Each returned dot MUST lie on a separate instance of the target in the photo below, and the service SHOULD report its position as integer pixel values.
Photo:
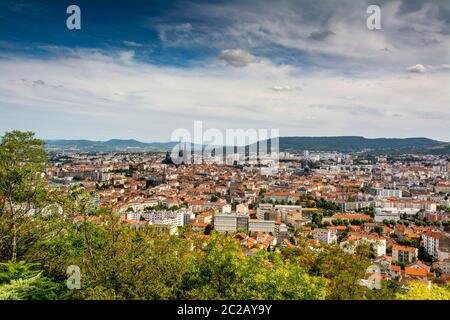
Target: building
(369, 226)
(292, 216)
(446, 266)
(230, 222)
(170, 218)
(431, 242)
(325, 235)
(226, 208)
(256, 225)
(381, 215)
(442, 187)
(350, 216)
(266, 212)
(353, 205)
(233, 222)
(409, 205)
(444, 248)
(199, 227)
(281, 231)
(353, 239)
(388, 193)
(404, 254)
(242, 208)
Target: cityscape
(214, 151)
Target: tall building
(404, 254)
(232, 222)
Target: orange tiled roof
(351, 216)
(403, 248)
(410, 271)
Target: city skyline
(307, 68)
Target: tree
(388, 291)
(378, 229)
(424, 256)
(344, 272)
(23, 191)
(24, 281)
(317, 218)
(422, 291)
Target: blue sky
(141, 69)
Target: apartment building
(388, 193)
(230, 222)
(352, 206)
(404, 254)
(256, 225)
(446, 266)
(172, 218)
(431, 242)
(325, 235)
(353, 239)
(233, 222)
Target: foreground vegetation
(119, 262)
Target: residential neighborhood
(397, 205)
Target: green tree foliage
(317, 217)
(343, 270)
(24, 281)
(23, 194)
(325, 204)
(424, 256)
(378, 229)
(422, 291)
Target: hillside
(298, 144)
(356, 143)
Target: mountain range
(292, 144)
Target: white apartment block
(402, 204)
(230, 222)
(170, 218)
(325, 235)
(225, 222)
(431, 243)
(389, 193)
(256, 225)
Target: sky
(142, 69)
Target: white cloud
(442, 67)
(267, 29)
(98, 95)
(284, 88)
(126, 56)
(418, 68)
(133, 44)
(237, 57)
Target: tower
(228, 192)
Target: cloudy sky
(140, 69)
